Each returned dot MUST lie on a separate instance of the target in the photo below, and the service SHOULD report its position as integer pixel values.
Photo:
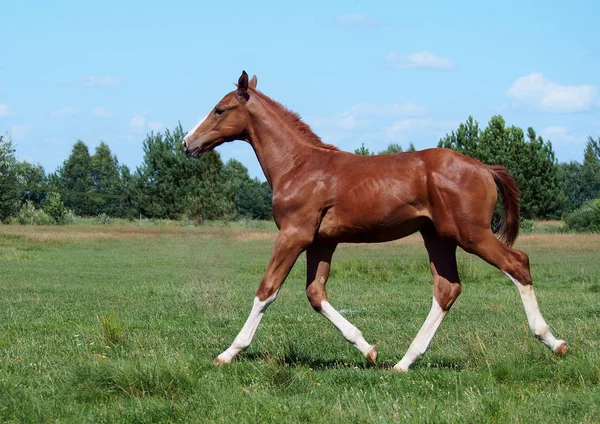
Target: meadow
(121, 323)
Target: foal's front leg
(288, 247)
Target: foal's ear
(242, 90)
(253, 82)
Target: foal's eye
(219, 111)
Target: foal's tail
(511, 196)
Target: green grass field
(121, 323)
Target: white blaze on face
(194, 129)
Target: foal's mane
(295, 121)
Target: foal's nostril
(184, 144)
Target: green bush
(29, 215)
(53, 213)
(526, 226)
(55, 208)
(586, 218)
(70, 218)
(103, 219)
(595, 219)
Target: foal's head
(227, 121)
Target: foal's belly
(354, 227)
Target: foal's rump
(463, 197)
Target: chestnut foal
(323, 196)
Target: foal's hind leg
(446, 289)
(318, 260)
(515, 264)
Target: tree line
(167, 185)
(170, 185)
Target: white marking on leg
(537, 325)
(246, 334)
(194, 129)
(419, 345)
(350, 332)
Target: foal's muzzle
(195, 152)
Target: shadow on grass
(453, 364)
(294, 359)
(297, 359)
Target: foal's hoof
(400, 369)
(562, 348)
(219, 362)
(372, 355)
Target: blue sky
(357, 72)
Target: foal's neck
(280, 145)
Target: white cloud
(540, 93)
(4, 111)
(138, 121)
(354, 20)
(156, 126)
(104, 81)
(557, 132)
(100, 112)
(63, 112)
(421, 60)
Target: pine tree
(391, 148)
(9, 197)
(591, 168)
(29, 175)
(107, 180)
(536, 169)
(465, 140)
(494, 142)
(210, 195)
(573, 186)
(362, 151)
(76, 175)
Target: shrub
(526, 226)
(595, 219)
(29, 215)
(103, 219)
(70, 218)
(55, 208)
(586, 218)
